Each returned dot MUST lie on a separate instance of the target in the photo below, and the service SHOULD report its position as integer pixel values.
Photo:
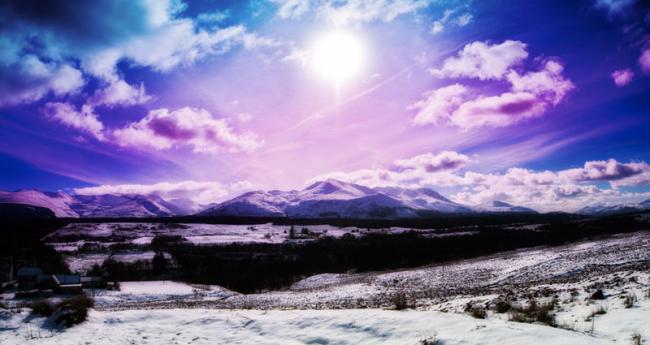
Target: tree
(159, 263)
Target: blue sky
(539, 103)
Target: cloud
(615, 6)
(119, 92)
(531, 93)
(622, 77)
(144, 33)
(498, 111)
(644, 61)
(443, 161)
(201, 193)
(84, 120)
(439, 104)
(364, 11)
(548, 83)
(28, 78)
(561, 190)
(448, 18)
(609, 170)
(291, 8)
(162, 129)
(483, 61)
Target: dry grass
(599, 310)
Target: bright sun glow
(337, 56)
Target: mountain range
(107, 205)
(603, 210)
(324, 199)
(336, 199)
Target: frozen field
(72, 236)
(86, 244)
(355, 308)
(514, 271)
(353, 327)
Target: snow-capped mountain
(424, 199)
(602, 209)
(58, 202)
(502, 207)
(336, 199)
(70, 205)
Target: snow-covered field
(361, 326)
(72, 236)
(86, 244)
(355, 308)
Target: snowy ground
(361, 326)
(508, 272)
(86, 244)
(355, 307)
(72, 236)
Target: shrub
(598, 295)
(478, 312)
(42, 307)
(637, 339)
(400, 301)
(629, 300)
(72, 311)
(432, 340)
(502, 307)
(534, 312)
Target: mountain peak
(498, 203)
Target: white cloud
(531, 92)
(162, 129)
(562, 190)
(291, 8)
(483, 61)
(119, 92)
(428, 162)
(547, 83)
(201, 193)
(449, 18)
(143, 33)
(364, 11)
(29, 79)
(439, 104)
(84, 120)
(497, 111)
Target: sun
(337, 56)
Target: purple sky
(538, 103)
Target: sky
(538, 103)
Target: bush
(637, 339)
(478, 312)
(73, 311)
(42, 307)
(502, 307)
(629, 300)
(598, 295)
(432, 340)
(534, 312)
(400, 301)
